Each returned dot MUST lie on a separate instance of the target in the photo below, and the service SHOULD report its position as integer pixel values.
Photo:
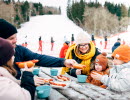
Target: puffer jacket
(63, 50)
(96, 82)
(119, 78)
(117, 44)
(10, 88)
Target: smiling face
(117, 61)
(98, 67)
(12, 39)
(84, 48)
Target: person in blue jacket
(116, 44)
(8, 32)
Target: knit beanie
(102, 60)
(83, 37)
(6, 29)
(122, 53)
(67, 42)
(6, 51)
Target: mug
(36, 71)
(82, 78)
(43, 91)
(54, 72)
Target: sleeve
(27, 83)
(10, 90)
(119, 81)
(89, 78)
(72, 72)
(44, 60)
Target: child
(119, 78)
(10, 87)
(101, 64)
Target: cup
(54, 72)
(36, 71)
(43, 91)
(82, 78)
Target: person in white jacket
(10, 87)
(119, 78)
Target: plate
(60, 83)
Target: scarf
(86, 58)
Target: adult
(64, 49)
(8, 32)
(40, 44)
(72, 39)
(93, 39)
(10, 87)
(52, 43)
(116, 44)
(105, 39)
(84, 52)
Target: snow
(57, 26)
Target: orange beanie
(102, 60)
(122, 53)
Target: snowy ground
(46, 26)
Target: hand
(38, 81)
(96, 76)
(78, 71)
(28, 69)
(69, 63)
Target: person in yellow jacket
(84, 52)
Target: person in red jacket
(64, 49)
(40, 44)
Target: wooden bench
(80, 91)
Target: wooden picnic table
(79, 91)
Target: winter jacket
(10, 88)
(63, 51)
(24, 54)
(119, 78)
(117, 44)
(96, 82)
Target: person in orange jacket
(64, 49)
(101, 67)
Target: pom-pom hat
(102, 60)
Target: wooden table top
(79, 91)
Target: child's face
(98, 67)
(117, 61)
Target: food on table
(63, 78)
(47, 80)
(79, 66)
(57, 84)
